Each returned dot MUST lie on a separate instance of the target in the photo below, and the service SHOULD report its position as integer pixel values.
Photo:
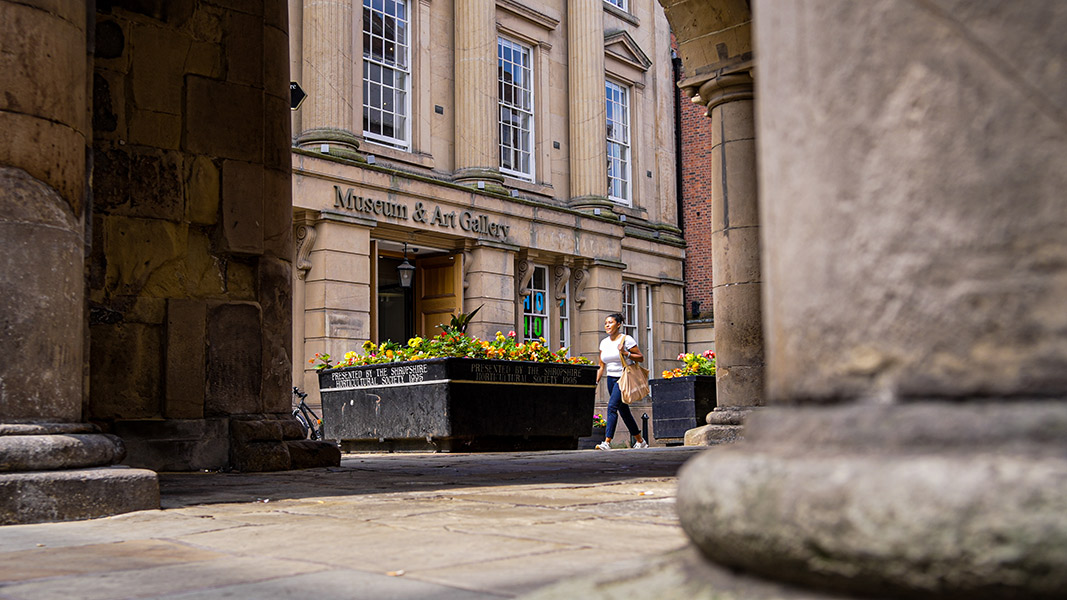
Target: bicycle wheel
(300, 418)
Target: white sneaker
(603, 446)
(638, 445)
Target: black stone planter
(680, 404)
(458, 405)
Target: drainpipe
(676, 71)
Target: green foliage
(460, 322)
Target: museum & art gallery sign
(421, 212)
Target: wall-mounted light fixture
(405, 270)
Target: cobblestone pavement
(396, 526)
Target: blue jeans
(616, 408)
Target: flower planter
(680, 404)
(458, 405)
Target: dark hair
(618, 318)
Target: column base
(927, 500)
(334, 142)
(63, 472)
(591, 204)
(725, 426)
(482, 178)
(75, 494)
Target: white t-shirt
(609, 354)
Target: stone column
(477, 132)
(54, 466)
(330, 66)
(735, 250)
(913, 159)
(588, 118)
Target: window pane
(514, 62)
(385, 71)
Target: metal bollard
(644, 427)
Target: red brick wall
(696, 203)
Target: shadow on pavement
(363, 474)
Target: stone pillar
(330, 67)
(735, 249)
(588, 118)
(490, 281)
(54, 466)
(477, 130)
(337, 292)
(913, 159)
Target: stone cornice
(549, 22)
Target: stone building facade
(901, 265)
(468, 139)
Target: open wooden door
(440, 292)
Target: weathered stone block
(213, 106)
(241, 278)
(186, 329)
(158, 63)
(243, 431)
(243, 41)
(38, 497)
(278, 213)
(145, 256)
(202, 191)
(205, 270)
(205, 58)
(242, 207)
(276, 302)
(176, 444)
(157, 185)
(311, 454)
(234, 360)
(125, 379)
(156, 129)
(254, 457)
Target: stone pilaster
(490, 273)
(477, 131)
(915, 275)
(588, 117)
(330, 67)
(53, 466)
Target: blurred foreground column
(912, 166)
(53, 465)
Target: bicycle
(307, 417)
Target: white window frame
(564, 318)
(399, 70)
(629, 309)
(520, 103)
(620, 4)
(619, 142)
(530, 308)
(648, 345)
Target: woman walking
(613, 349)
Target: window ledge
(622, 14)
(370, 148)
